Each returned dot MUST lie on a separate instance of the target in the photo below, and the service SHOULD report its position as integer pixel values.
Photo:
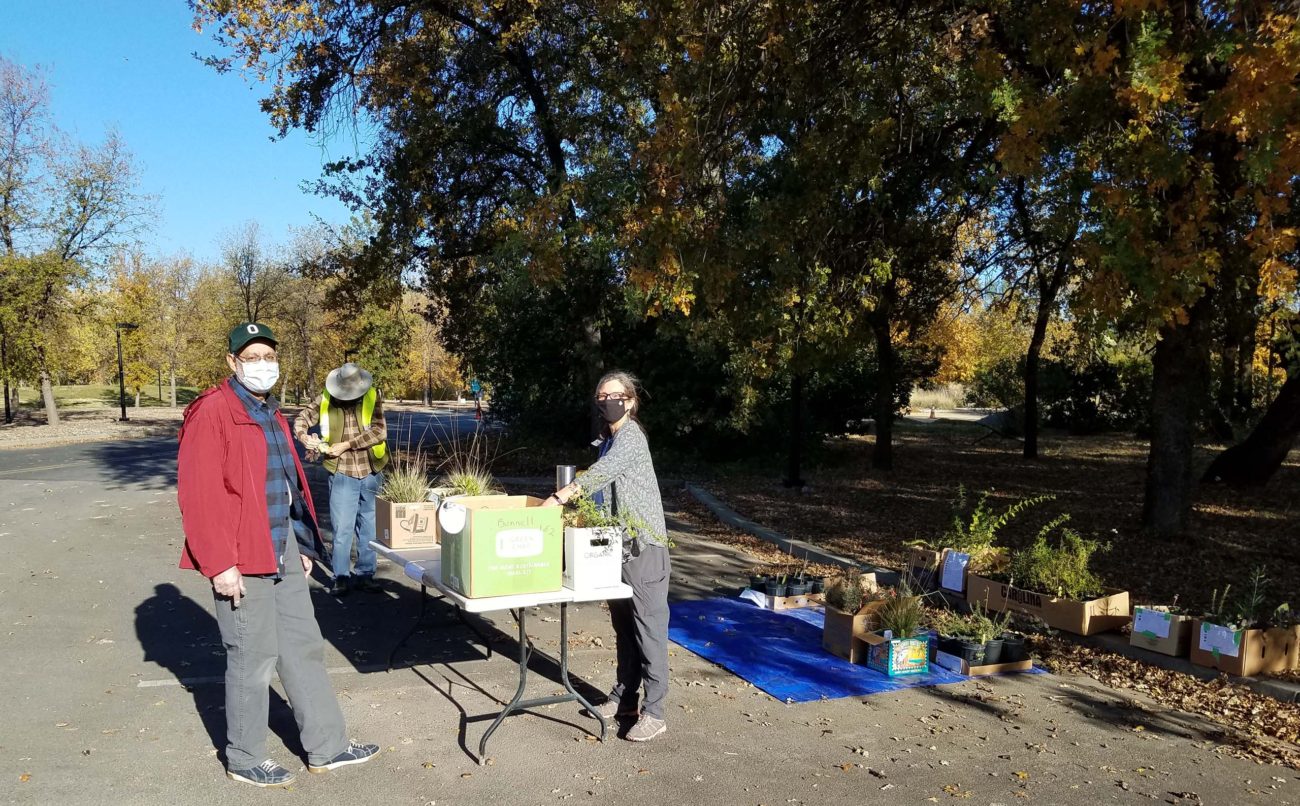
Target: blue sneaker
(267, 774)
(355, 754)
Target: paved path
(109, 655)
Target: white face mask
(260, 377)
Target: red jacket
(221, 487)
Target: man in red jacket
(250, 527)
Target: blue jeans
(352, 513)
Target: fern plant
(1060, 567)
(974, 531)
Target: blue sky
(199, 138)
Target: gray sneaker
(609, 709)
(267, 774)
(355, 754)
(646, 728)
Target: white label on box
(451, 517)
(1220, 640)
(519, 542)
(954, 571)
(1153, 623)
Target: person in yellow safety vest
(348, 418)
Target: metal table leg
(564, 669)
(517, 703)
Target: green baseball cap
(244, 332)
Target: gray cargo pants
(274, 628)
(641, 629)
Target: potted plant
(801, 585)
(1053, 580)
(403, 516)
(466, 470)
(900, 644)
(990, 630)
(1242, 635)
(851, 605)
(972, 533)
(593, 544)
(956, 636)
(757, 581)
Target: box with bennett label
(501, 545)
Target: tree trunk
(1253, 462)
(882, 458)
(136, 405)
(793, 477)
(1244, 404)
(4, 371)
(1032, 359)
(47, 389)
(172, 374)
(1178, 389)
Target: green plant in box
(846, 592)
(406, 479)
(901, 614)
(1060, 567)
(974, 531)
(467, 466)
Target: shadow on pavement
(150, 464)
(182, 637)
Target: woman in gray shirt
(623, 480)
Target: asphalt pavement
(112, 666)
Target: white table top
(424, 565)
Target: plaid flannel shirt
(282, 494)
(355, 461)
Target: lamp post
(121, 372)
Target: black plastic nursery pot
(818, 584)
(1013, 648)
(973, 652)
(758, 582)
(993, 652)
(799, 588)
(774, 588)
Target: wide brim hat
(348, 382)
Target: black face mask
(612, 410)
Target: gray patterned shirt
(626, 469)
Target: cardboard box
(898, 656)
(1110, 612)
(842, 633)
(1244, 653)
(500, 545)
(406, 525)
(961, 666)
(791, 602)
(593, 558)
(1161, 631)
(923, 569)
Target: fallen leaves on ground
(1254, 726)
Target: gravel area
(30, 430)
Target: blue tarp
(781, 653)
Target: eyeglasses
(257, 359)
(616, 396)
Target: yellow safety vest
(378, 453)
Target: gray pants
(274, 628)
(641, 629)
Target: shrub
(975, 531)
(1059, 567)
